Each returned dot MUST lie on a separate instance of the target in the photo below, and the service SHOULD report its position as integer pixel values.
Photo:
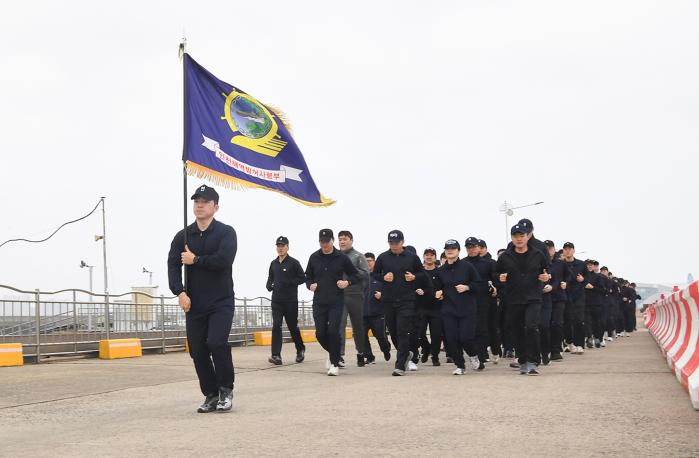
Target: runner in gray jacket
(354, 298)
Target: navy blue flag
(234, 140)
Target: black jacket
(399, 289)
(284, 279)
(595, 296)
(575, 289)
(523, 270)
(372, 305)
(557, 276)
(326, 270)
(487, 272)
(455, 303)
(537, 245)
(427, 283)
(210, 279)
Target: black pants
(545, 324)
(288, 311)
(482, 337)
(577, 310)
(459, 338)
(431, 317)
(399, 321)
(377, 325)
(327, 318)
(612, 311)
(621, 317)
(207, 335)
(629, 317)
(568, 322)
(557, 309)
(525, 320)
(596, 313)
(354, 308)
(508, 339)
(494, 335)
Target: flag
(234, 140)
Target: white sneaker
(412, 367)
(580, 351)
(572, 348)
(610, 339)
(496, 359)
(334, 370)
(327, 364)
(458, 371)
(603, 343)
(475, 362)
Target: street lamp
(150, 275)
(507, 208)
(83, 264)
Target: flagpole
(183, 56)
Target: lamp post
(150, 276)
(83, 264)
(507, 209)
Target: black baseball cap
(430, 250)
(395, 236)
(549, 243)
(569, 245)
(325, 235)
(410, 249)
(281, 240)
(471, 241)
(519, 229)
(482, 243)
(451, 243)
(206, 192)
(527, 223)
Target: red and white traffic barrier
(674, 323)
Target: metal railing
(47, 326)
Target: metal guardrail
(74, 327)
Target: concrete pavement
(620, 401)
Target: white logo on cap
(202, 188)
(393, 234)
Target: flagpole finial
(183, 46)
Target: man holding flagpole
(208, 300)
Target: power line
(54, 232)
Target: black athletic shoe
(360, 361)
(300, 356)
(481, 366)
(371, 359)
(225, 399)
(387, 355)
(341, 363)
(545, 360)
(424, 358)
(589, 343)
(276, 360)
(533, 371)
(556, 357)
(450, 360)
(514, 365)
(509, 354)
(209, 404)
(435, 362)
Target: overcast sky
(412, 115)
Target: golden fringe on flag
(230, 182)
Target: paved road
(619, 401)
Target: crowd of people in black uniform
(533, 303)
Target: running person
(328, 274)
(396, 269)
(209, 300)
(285, 276)
(456, 285)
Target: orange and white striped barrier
(120, 348)
(674, 323)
